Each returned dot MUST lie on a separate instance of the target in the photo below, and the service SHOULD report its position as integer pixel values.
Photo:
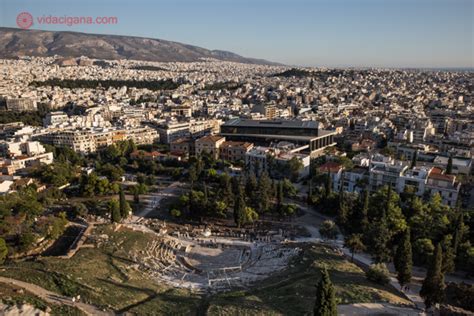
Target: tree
(378, 273)
(279, 195)
(328, 184)
(3, 250)
(114, 210)
(432, 290)
(325, 297)
(239, 207)
(379, 235)
(294, 168)
(264, 191)
(125, 208)
(226, 189)
(363, 220)
(342, 210)
(449, 255)
(403, 261)
(414, 159)
(354, 243)
(449, 166)
(328, 229)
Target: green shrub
(378, 273)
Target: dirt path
(54, 298)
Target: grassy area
(12, 295)
(103, 276)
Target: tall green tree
(379, 236)
(226, 189)
(403, 261)
(360, 215)
(342, 211)
(432, 290)
(3, 250)
(449, 166)
(449, 256)
(264, 191)
(328, 184)
(414, 159)
(114, 210)
(125, 208)
(279, 195)
(325, 304)
(251, 187)
(239, 207)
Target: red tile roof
(330, 166)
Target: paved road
(153, 201)
(55, 298)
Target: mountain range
(19, 42)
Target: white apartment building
(55, 118)
(172, 131)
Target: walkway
(153, 201)
(54, 298)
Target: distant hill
(18, 42)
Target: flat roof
(272, 136)
(273, 123)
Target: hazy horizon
(436, 34)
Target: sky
(324, 33)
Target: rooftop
(273, 123)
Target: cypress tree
(449, 255)
(449, 167)
(264, 188)
(226, 189)
(239, 207)
(379, 236)
(251, 187)
(403, 261)
(325, 296)
(114, 209)
(342, 210)
(414, 159)
(279, 195)
(124, 206)
(432, 290)
(328, 186)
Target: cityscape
(141, 176)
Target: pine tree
(325, 297)
(432, 290)
(403, 261)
